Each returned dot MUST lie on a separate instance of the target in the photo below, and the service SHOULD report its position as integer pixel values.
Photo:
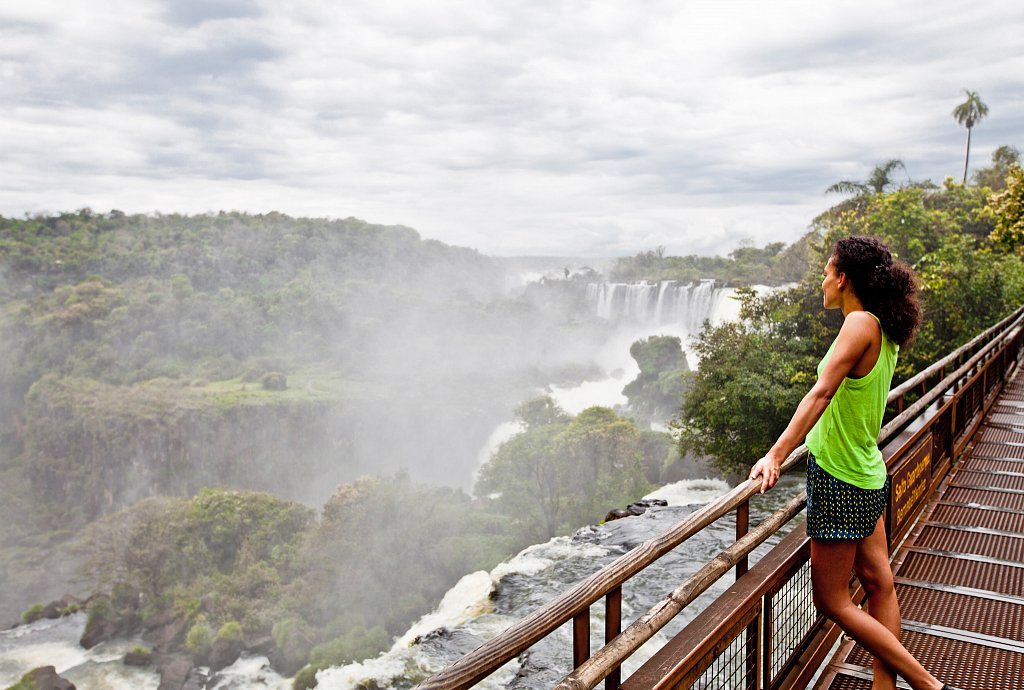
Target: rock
(166, 632)
(99, 631)
(616, 514)
(66, 604)
(207, 603)
(46, 678)
(261, 646)
(635, 508)
(197, 679)
(224, 653)
(138, 658)
(174, 671)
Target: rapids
(483, 604)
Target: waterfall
(667, 302)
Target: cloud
(553, 128)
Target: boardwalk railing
(764, 632)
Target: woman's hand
(768, 469)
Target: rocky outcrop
(174, 671)
(44, 678)
(637, 508)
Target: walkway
(960, 574)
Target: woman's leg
(871, 565)
(831, 565)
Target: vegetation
(773, 264)
(655, 393)
(33, 613)
(1004, 158)
(753, 373)
(968, 114)
(880, 180)
(1008, 207)
(562, 472)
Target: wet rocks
(637, 508)
(45, 678)
(173, 670)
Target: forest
(235, 432)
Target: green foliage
(27, 681)
(1004, 159)
(305, 679)
(229, 632)
(752, 374)
(965, 290)
(370, 533)
(234, 551)
(745, 265)
(656, 391)
(99, 612)
(357, 644)
(553, 478)
(199, 636)
(540, 411)
(1008, 207)
(33, 613)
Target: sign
(909, 484)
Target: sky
(525, 127)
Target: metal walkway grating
(960, 576)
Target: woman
(847, 484)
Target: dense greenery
(561, 472)
(773, 264)
(753, 373)
(655, 393)
(329, 590)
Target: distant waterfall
(664, 302)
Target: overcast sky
(520, 127)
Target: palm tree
(968, 114)
(878, 180)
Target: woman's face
(830, 287)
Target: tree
(994, 176)
(553, 478)
(1008, 207)
(968, 114)
(540, 411)
(877, 182)
(658, 389)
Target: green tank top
(845, 439)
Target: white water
(667, 302)
(690, 491)
(55, 643)
(483, 604)
(469, 607)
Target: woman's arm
(853, 343)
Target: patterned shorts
(837, 510)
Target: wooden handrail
(611, 656)
(508, 644)
(497, 651)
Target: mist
(162, 357)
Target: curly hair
(887, 287)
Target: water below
(484, 604)
(479, 607)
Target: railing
(764, 632)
